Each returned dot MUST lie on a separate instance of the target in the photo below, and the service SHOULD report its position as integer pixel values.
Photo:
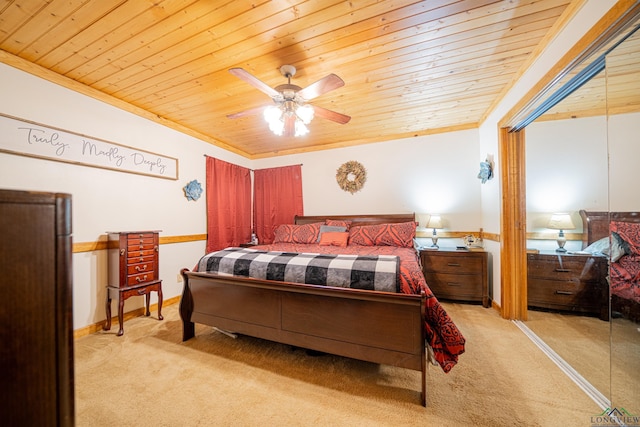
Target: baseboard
(496, 306)
(580, 381)
(92, 329)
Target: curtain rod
(253, 170)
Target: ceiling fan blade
(253, 81)
(250, 112)
(331, 115)
(323, 85)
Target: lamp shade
(434, 222)
(561, 221)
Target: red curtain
(228, 204)
(277, 199)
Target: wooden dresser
(568, 282)
(133, 270)
(36, 316)
(460, 275)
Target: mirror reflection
(582, 178)
(623, 111)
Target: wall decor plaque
(31, 139)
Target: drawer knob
(453, 264)
(141, 269)
(143, 279)
(564, 293)
(563, 270)
(453, 284)
(121, 252)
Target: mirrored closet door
(623, 132)
(582, 177)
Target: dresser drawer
(141, 259)
(140, 244)
(462, 286)
(567, 295)
(452, 264)
(144, 267)
(132, 255)
(132, 238)
(137, 279)
(564, 267)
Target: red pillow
(338, 223)
(629, 232)
(334, 238)
(396, 234)
(291, 233)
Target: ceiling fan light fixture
(305, 113)
(301, 128)
(274, 117)
(277, 115)
(290, 115)
(272, 113)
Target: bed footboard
(378, 327)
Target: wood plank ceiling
(410, 67)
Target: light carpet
(149, 377)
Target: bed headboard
(358, 219)
(595, 225)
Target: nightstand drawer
(582, 268)
(460, 285)
(569, 295)
(457, 275)
(452, 264)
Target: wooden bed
(597, 226)
(354, 323)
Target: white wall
(624, 152)
(567, 170)
(105, 200)
(587, 163)
(425, 175)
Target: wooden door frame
(511, 146)
(513, 226)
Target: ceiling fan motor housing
(288, 71)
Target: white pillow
(601, 247)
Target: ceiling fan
(290, 113)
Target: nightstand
(247, 245)
(459, 275)
(568, 282)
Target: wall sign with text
(32, 139)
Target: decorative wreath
(192, 190)
(351, 176)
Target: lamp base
(434, 241)
(561, 240)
